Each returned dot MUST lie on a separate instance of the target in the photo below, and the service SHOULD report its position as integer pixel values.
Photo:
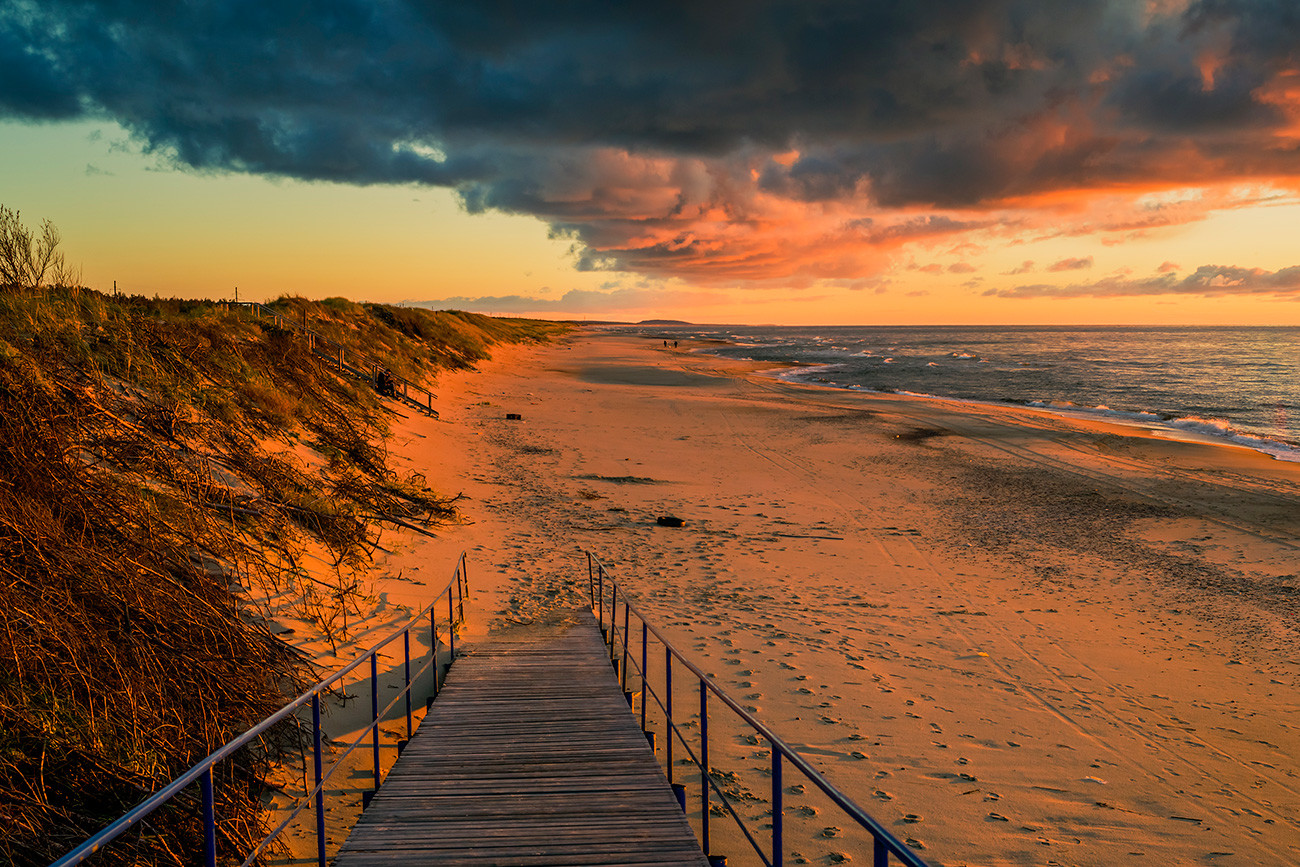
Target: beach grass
(163, 464)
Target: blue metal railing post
(778, 811)
(451, 626)
(668, 710)
(613, 616)
(433, 647)
(209, 819)
(627, 612)
(704, 767)
(319, 775)
(645, 635)
(460, 593)
(600, 597)
(374, 711)
(406, 647)
(880, 854)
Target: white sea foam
(1193, 428)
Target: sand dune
(1013, 637)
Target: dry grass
(136, 487)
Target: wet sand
(1012, 637)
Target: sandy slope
(1012, 637)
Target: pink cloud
(1071, 264)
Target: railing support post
(704, 767)
(613, 617)
(406, 647)
(209, 819)
(645, 630)
(433, 648)
(778, 811)
(668, 710)
(319, 775)
(374, 711)
(451, 628)
(627, 613)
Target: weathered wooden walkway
(529, 756)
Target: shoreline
(1010, 636)
(1190, 427)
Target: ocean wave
(1208, 429)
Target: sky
(766, 161)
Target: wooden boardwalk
(530, 756)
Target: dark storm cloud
(948, 103)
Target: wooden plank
(529, 757)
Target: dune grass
(157, 458)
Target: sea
(1220, 384)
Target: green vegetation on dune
(156, 457)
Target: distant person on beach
(674, 344)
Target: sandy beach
(1013, 637)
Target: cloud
(1023, 268)
(1206, 281)
(1166, 267)
(1071, 264)
(961, 268)
(578, 301)
(801, 140)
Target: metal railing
(455, 593)
(338, 354)
(607, 599)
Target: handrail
(459, 583)
(316, 337)
(885, 843)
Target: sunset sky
(964, 161)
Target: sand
(1013, 637)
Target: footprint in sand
(911, 818)
(831, 832)
(883, 795)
